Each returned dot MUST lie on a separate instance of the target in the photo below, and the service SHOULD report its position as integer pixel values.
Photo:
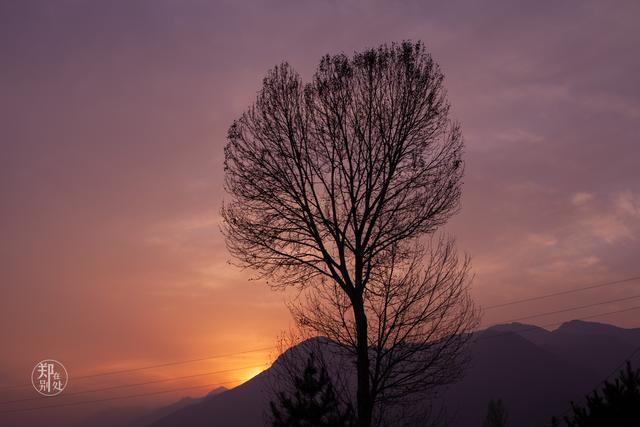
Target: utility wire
(179, 362)
(130, 396)
(257, 366)
(575, 308)
(116, 372)
(535, 328)
(115, 387)
(570, 291)
(221, 384)
(142, 368)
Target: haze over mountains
(536, 372)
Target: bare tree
(419, 314)
(333, 184)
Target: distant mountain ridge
(534, 371)
(164, 411)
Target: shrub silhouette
(313, 402)
(618, 404)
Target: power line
(131, 396)
(135, 384)
(535, 328)
(161, 365)
(221, 384)
(570, 291)
(179, 362)
(257, 366)
(116, 372)
(575, 308)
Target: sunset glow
(115, 116)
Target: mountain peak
(583, 327)
(537, 370)
(217, 391)
(516, 328)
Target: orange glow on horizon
(250, 373)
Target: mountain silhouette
(164, 411)
(534, 371)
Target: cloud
(581, 198)
(628, 203)
(116, 119)
(607, 227)
(614, 220)
(545, 240)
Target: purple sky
(114, 116)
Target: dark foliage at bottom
(313, 402)
(617, 405)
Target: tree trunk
(365, 405)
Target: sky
(113, 119)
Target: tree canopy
(334, 184)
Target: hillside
(536, 372)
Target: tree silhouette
(496, 414)
(618, 404)
(312, 403)
(333, 184)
